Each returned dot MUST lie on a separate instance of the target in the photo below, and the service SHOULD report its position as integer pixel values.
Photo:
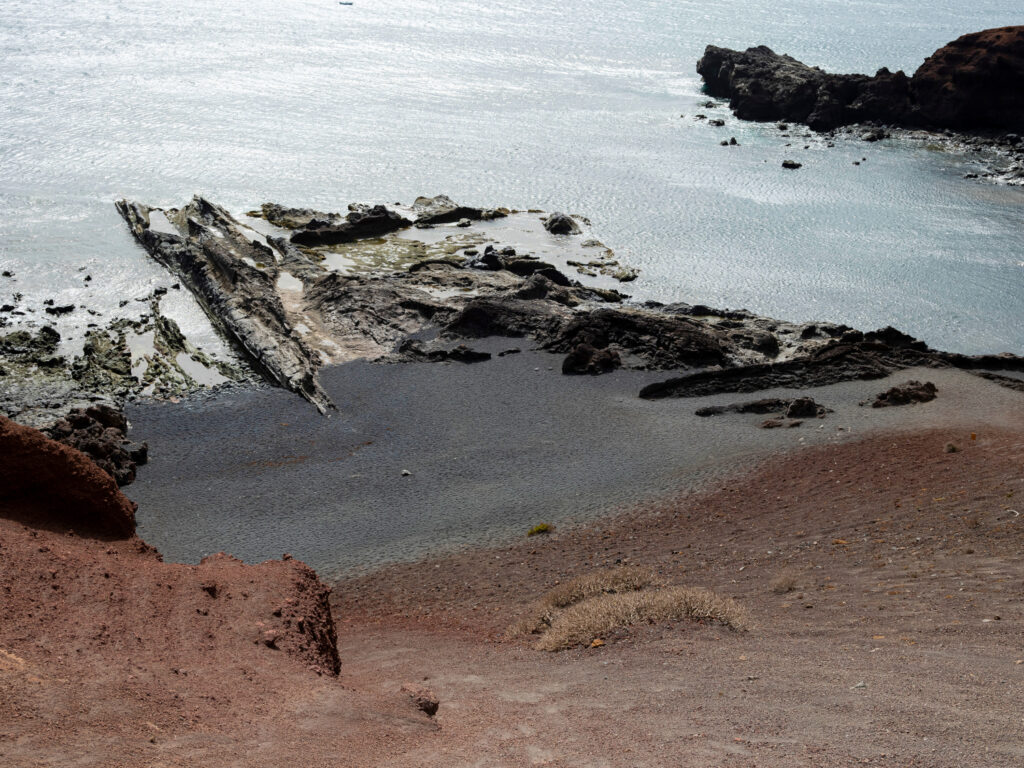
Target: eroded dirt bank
(111, 657)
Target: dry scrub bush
(581, 622)
(611, 581)
(784, 582)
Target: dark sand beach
(494, 448)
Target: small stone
(859, 686)
(791, 164)
(422, 697)
(406, 473)
(464, 223)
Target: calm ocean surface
(571, 106)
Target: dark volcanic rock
(855, 356)
(239, 298)
(663, 341)
(585, 358)
(659, 341)
(830, 364)
(800, 408)
(358, 224)
(906, 394)
(763, 85)
(413, 349)
(502, 316)
(975, 82)
(443, 210)
(561, 224)
(100, 432)
(804, 408)
(294, 218)
(765, 405)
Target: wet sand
(493, 448)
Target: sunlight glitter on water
(526, 106)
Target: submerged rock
(561, 224)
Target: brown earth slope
(893, 637)
(110, 657)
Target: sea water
(583, 107)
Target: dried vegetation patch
(589, 607)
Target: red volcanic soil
(59, 485)
(900, 644)
(111, 657)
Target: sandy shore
(493, 449)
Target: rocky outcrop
(46, 483)
(588, 359)
(763, 85)
(852, 357)
(101, 433)
(233, 275)
(594, 340)
(798, 408)
(443, 210)
(561, 224)
(975, 82)
(660, 341)
(906, 394)
(359, 223)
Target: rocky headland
(969, 91)
(974, 83)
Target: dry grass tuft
(784, 582)
(540, 528)
(610, 581)
(581, 622)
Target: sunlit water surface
(559, 105)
